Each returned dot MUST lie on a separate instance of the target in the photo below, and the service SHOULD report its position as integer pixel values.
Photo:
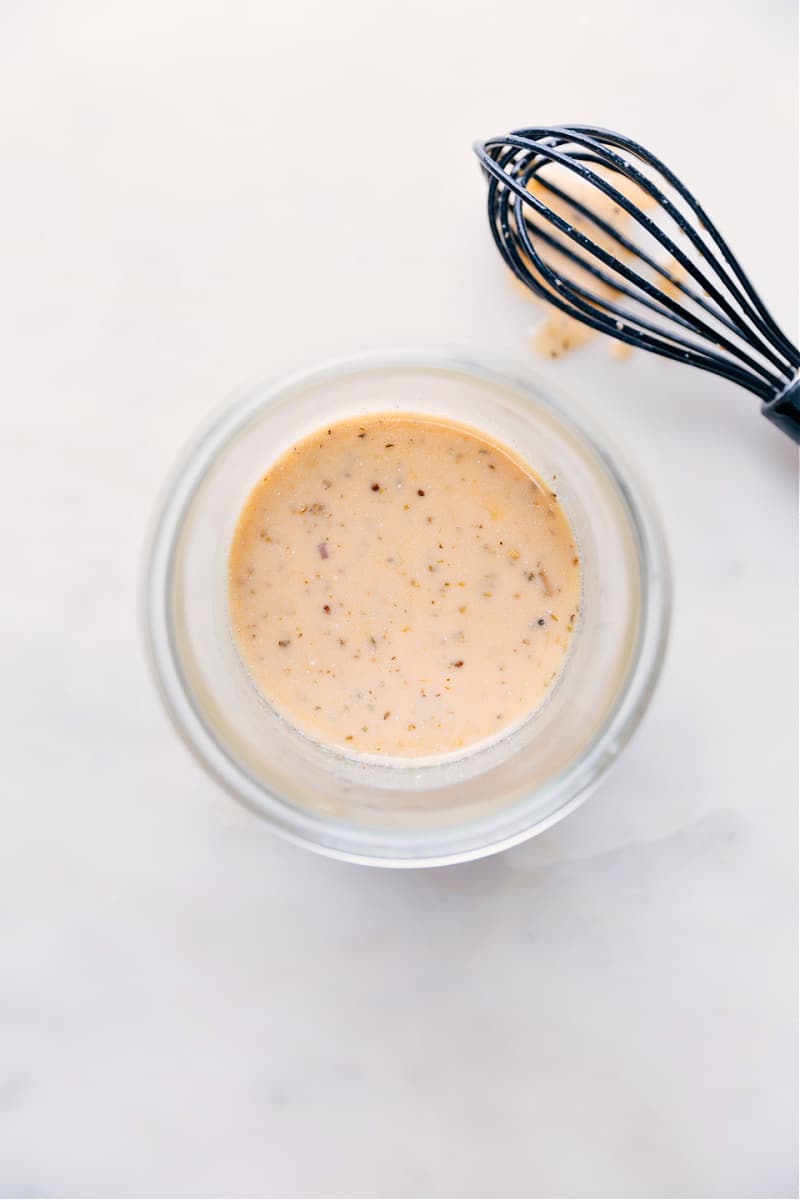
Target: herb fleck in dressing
(402, 586)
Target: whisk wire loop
(701, 290)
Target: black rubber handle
(784, 411)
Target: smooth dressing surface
(402, 586)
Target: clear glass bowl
(409, 815)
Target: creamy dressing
(402, 586)
(560, 333)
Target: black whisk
(695, 305)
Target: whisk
(673, 287)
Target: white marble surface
(187, 1005)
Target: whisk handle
(784, 410)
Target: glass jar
(417, 813)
